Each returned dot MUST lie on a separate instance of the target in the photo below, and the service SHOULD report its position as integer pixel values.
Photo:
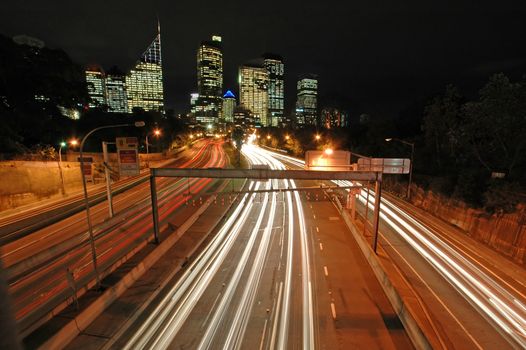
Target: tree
(441, 126)
(495, 126)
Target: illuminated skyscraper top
(209, 80)
(276, 88)
(307, 101)
(144, 82)
(229, 104)
(95, 79)
(253, 91)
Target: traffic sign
(328, 160)
(128, 155)
(385, 165)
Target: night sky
(374, 57)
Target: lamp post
(408, 194)
(156, 132)
(62, 144)
(86, 200)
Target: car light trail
(491, 299)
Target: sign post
(128, 156)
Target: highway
(263, 282)
(44, 266)
(474, 301)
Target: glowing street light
(329, 151)
(62, 144)
(318, 137)
(287, 137)
(156, 132)
(74, 142)
(268, 137)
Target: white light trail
(491, 299)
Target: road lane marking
(314, 216)
(321, 246)
(211, 309)
(263, 335)
(326, 271)
(317, 229)
(276, 318)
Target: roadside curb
(402, 309)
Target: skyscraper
(229, 104)
(144, 83)
(307, 100)
(95, 80)
(116, 96)
(333, 118)
(209, 81)
(276, 88)
(253, 91)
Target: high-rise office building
(144, 83)
(229, 104)
(116, 96)
(253, 91)
(95, 80)
(276, 88)
(209, 81)
(307, 100)
(333, 118)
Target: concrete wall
(505, 233)
(24, 182)
(97, 157)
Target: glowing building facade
(116, 96)
(307, 100)
(276, 88)
(209, 81)
(229, 104)
(253, 91)
(333, 118)
(144, 83)
(95, 80)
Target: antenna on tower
(158, 25)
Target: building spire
(158, 25)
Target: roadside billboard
(328, 160)
(128, 155)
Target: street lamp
(62, 144)
(287, 137)
(318, 137)
(156, 132)
(86, 200)
(408, 194)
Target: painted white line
(326, 271)
(211, 309)
(317, 229)
(333, 309)
(321, 246)
(314, 216)
(263, 335)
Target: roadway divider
(416, 330)
(81, 321)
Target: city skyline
(371, 59)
